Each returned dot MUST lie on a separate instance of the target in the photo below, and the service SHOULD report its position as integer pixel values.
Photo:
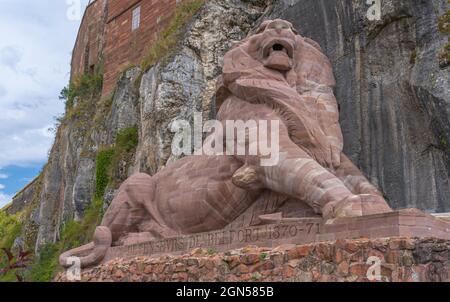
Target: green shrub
(46, 265)
(263, 256)
(10, 229)
(83, 86)
(127, 139)
(444, 23)
(102, 179)
(126, 142)
(444, 55)
(108, 160)
(413, 57)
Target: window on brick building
(136, 18)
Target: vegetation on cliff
(444, 28)
(10, 228)
(82, 86)
(169, 38)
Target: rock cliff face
(394, 99)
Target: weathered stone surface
(187, 267)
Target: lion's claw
(355, 206)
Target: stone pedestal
(406, 223)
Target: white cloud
(2, 187)
(35, 52)
(10, 56)
(4, 199)
(3, 176)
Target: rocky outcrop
(394, 101)
(387, 260)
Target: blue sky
(36, 41)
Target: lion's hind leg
(129, 208)
(124, 216)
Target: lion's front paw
(355, 206)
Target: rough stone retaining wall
(402, 260)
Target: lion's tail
(90, 254)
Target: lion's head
(289, 73)
(276, 52)
(276, 42)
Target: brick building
(118, 33)
(88, 49)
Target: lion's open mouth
(278, 45)
(278, 54)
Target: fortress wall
(106, 31)
(88, 47)
(125, 47)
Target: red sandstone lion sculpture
(274, 74)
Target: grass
(122, 152)
(83, 86)
(44, 269)
(444, 55)
(169, 38)
(10, 229)
(127, 139)
(74, 234)
(102, 179)
(86, 89)
(444, 27)
(413, 58)
(444, 23)
(109, 160)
